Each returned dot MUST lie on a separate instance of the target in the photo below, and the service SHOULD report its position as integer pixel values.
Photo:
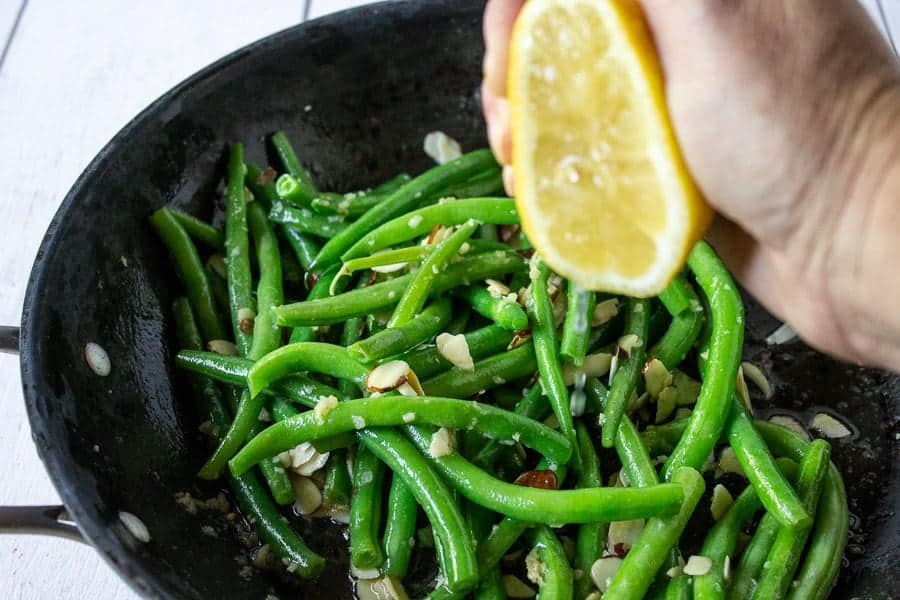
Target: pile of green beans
(441, 369)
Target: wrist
(861, 269)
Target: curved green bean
(550, 506)
(546, 351)
(399, 202)
(625, 379)
(498, 211)
(190, 271)
(505, 313)
(269, 290)
(591, 537)
(317, 357)
(787, 548)
(386, 411)
(200, 230)
(576, 327)
(708, 419)
(414, 296)
(533, 405)
(488, 373)
(400, 528)
(686, 325)
(660, 535)
(395, 340)
(291, 163)
(557, 578)
(365, 511)
(338, 487)
(482, 342)
(456, 552)
(380, 296)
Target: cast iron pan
(375, 79)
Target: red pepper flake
(620, 550)
(543, 479)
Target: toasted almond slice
(307, 497)
(387, 376)
(721, 501)
(603, 570)
(455, 348)
(697, 565)
(829, 426)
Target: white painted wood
(319, 8)
(76, 72)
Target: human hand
(787, 116)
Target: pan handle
(9, 340)
(40, 520)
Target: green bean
(327, 359)
(199, 230)
(708, 419)
(636, 462)
(591, 536)
(356, 203)
(338, 488)
(218, 287)
(556, 582)
(491, 586)
(546, 350)
(659, 536)
(628, 372)
(365, 510)
(251, 497)
(502, 537)
(269, 291)
(777, 495)
(508, 314)
(393, 184)
(204, 389)
(401, 201)
(482, 342)
(677, 296)
(290, 190)
(380, 296)
(266, 338)
(413, 298)
(289, 159)
(384, 411)
(550, 506)
(459, 321)
(306, 221)
(499, 211)
(400, 530)
(399, 339)
(533, 405)
(489, 183)
(237, 249)
(787, 548)
(233, 371)
(746, 574)
(321, 289)
(679, 588)
(456, 553)
(660, 439)
(576, 327)
(684, 329)
(488, 373)
(721, 541)
(388, 257)
(190, 271)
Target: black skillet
(357, 91)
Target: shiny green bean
(576, 327)
(291, 163)
(591, 538)
(557, 578)
(400, 528)
(488, 373)
(327, 359)
(482, 342)
(630, 364)
(200, 230)
(505, 313)
(365, 511)
(306, 221)
(395, 340)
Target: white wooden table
(71, 75)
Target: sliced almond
(223, 347)
(455, 349)
(829, 426)
(246, 319)
(358, 573)
(687, 387)
(790, 423)
(534, 568)
(603, 570)
(656, 376)
(387, 376)
(740, 387)
(755, 374)
(497, 289)
(697, 565)
(307, 497)
(629, 342)
(441, 443)
(441, 147)
(519, 338)
(604, 312)
(785, 333)
(595, 365)
(324, 405)
(382, 588)
(721, 501)
(622, 535)
(315, 463)
(666, 403)
(728, 463)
